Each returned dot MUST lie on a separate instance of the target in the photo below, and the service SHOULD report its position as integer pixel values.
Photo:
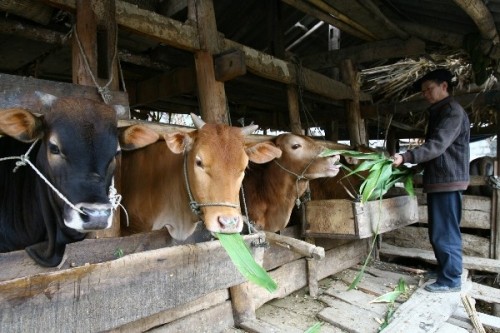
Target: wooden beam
(27, 97)
(385, 49)
(489, 48)
(184, 36)
(326, 17)
(229, 65)
(479, 98)
(482, 16)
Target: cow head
(301, 156)
(76, 154)
(216, 159)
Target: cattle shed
(339, 71)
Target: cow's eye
(198, 162)
(296, 146)
(54, 149)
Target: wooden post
(211, 93)
(294, 109)
(312, 277)
(94, 61)
(96, 30)
(495, 219)
(355, 123)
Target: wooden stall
(218, 59)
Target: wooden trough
(346, 219)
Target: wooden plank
(116, 292)
(260, 326)
(487, 320)
(478, 264)
(189, 308)
(354, 297)
(385, 215)
(213, 319)
(342, 257)
(346, 219)
(368, 284)
(349, 317)
(485, 293)
(425, 311)
(450, 328)
(18, 91)
(18, 264)
(417, 237)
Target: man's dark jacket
(445, 153)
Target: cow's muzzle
(92, 217)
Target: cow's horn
(247, 130)
(198, 122)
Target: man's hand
(397, 160)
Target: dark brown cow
(212, 158)
(271, 190)
(74, 147)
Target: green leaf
(314, 328)
(389, 297)
(409, 186)
(239, 253)
(366, 165)
(349, 153)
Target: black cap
(438, 75)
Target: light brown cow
(211, 159)
(271, 190)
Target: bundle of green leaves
(381, 174)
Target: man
(445, 158)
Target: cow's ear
(179, 142)
(136, 136)
(21, 124)
(262, 152)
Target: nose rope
(193, 204)
(114, 197)
(298, 177)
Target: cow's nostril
(89, 213)
(228, 221)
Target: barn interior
(337, 70)
(274, 49)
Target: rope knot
(22, 162)
(195, 208)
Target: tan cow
(271, 190)
(209, 161)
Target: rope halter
(193, 204)
(23, 160)
(298, 178)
